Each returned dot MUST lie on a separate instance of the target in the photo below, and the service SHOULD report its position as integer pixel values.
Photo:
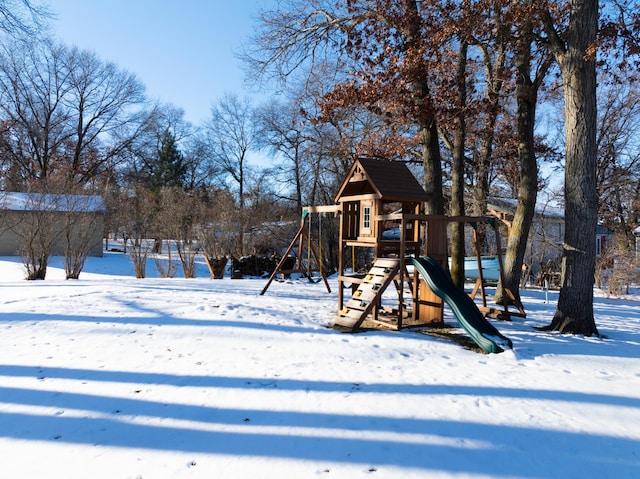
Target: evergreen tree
(171, 168)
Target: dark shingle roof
(388, 180)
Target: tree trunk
(425, 119)
(241, 202)
(527, 96)
(297, 171)
(216, 265)
(432, 166)
(457, 173)
(574, 313)
(480, 191)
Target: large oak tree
(573, 47)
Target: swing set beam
(301, 236)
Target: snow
(115, 377)
(51, 202)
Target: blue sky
(183, 51)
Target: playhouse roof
(384, 179)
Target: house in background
(546, 237)
(87, 212)
(604, 238)
(544, 248)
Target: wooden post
(341, 262)
(431, 308)
(480, 279)
(401, 257)
(278, 268)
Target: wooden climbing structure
(374, 193)
(380, 220)
(367, 298)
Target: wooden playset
(378, 206)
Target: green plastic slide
(464, 309)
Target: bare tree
(179, 217)
(82, 215)
(103, 102)
(201, 171)
(531, 68)
(215, 232)
(282, 131)
(310, 158)
(615, 273)
(32, 88)
(66, 113)
(38, 231)
(232, 134)
(618, 164)
(138, 208)
(23, 17)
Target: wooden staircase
(366, 299)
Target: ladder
(366, 298)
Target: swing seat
(313, 279)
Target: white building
(17, 208)
(547, 232)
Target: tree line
(472, 94)
(463, 86)
(72, 123)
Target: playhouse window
(366, 218)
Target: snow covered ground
(114, 377)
